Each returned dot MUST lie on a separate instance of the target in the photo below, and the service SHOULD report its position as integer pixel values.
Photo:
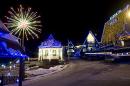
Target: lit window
(46, 52)
(54, 52)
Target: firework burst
(24, 23)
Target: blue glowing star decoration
(50, 43)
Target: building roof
(9, 45)
(50, 42)
(3, 28)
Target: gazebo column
(21, 71)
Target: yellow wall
(111, 30)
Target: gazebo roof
(3, 28)
(50, 43)
(10, 49)
(9, 45)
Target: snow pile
(41, 71)
(59, 67)
(38, 71)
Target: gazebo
(10, 49)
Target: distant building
(50, 49)
(70, 49)
(90, 43)
(117, 29)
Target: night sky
(67, 19)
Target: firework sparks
(23, 23)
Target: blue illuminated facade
(50, 43)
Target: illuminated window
(54, 52)
(46, 52)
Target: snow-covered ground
(41, 71)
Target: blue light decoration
(50, 43)
(11, 49)
(9, 45)
(17, 80)
(9, 74)
(70, 49)
(12, 53)
(14, 66)
(17, 61)
(3, 66)
(9, 52)
(77, 53)
(1, 33)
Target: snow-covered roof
(10, 37)
(50, 43)
(3, 28)
(5, 33)
(9, 45)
